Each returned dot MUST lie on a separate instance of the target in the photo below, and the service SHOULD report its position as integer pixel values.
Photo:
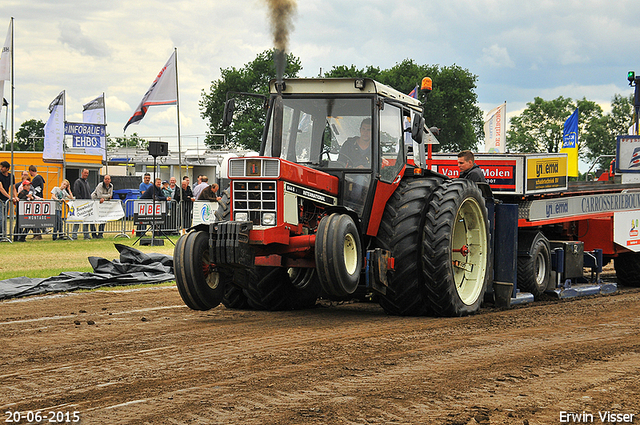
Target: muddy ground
(142, 357)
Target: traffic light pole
(633, 82)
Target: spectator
(210, 193)
(60, 195)
(83, 191)
(173, 187)
(6, 193)
(198, 181)
(155, 191)
(103, 192)
(146, 183)
(18, 186)
(165, 189)
(186, 195)
(37, 185)
(26, 194)
(200, 187)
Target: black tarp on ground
(133, 267)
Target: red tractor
(340, 199)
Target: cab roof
(341, 86)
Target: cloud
(71, 35)
(496, 57)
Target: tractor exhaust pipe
(280, 13)
(276, 142)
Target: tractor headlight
(269, 219)
(242, 216)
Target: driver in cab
(356, 151)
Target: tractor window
(315, 129)
(391, 143)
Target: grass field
(45, 258)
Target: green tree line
(451, 106)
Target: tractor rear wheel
(224, 206)
(202, 280)
(627, 267)
(401, 233)
(279, 288)
(455, 249)
(235, 298)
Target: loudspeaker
(158, 149)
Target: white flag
(163, 91)
(94, 113)
(54, 131)
(5, 62)
(495, 127)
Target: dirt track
(142, 357)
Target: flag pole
(106, 158)
(11, 218)
(64, 142)
(178, 116)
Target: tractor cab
(354, 129)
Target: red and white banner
(495, 128)
(163, 91)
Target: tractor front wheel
(338, 255)
(200, 283)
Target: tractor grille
(254, 167)
(255, 201)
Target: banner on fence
(36, 214)
(88, 211)
(143, 211)
(204, 212)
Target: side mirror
(227, 115)
(417, 128)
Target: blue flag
(570, 143)
(570, 133)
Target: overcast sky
(518, 49)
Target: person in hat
(166, 190)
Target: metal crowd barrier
(177, 216)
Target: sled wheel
(456, 249)
(338, 255)
(534, 271)
(627, 265)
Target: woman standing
(60, 195)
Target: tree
(539, 127)
(30, 136)
(451, 105)
(601, 137)
(133, 141)
(249, 116)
